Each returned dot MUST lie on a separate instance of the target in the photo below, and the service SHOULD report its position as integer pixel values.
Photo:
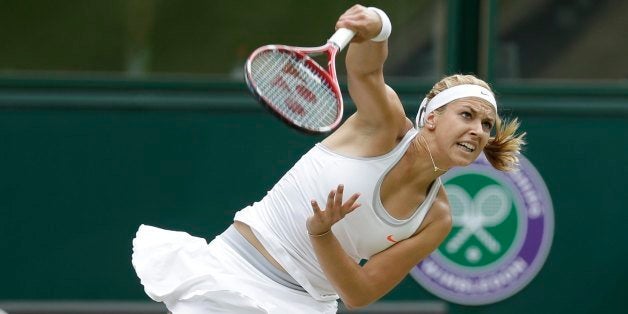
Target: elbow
(356, 302)
(351, 307)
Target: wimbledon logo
(503, 223)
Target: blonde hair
(503, 149)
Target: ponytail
(503, 150)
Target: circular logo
(503, 225)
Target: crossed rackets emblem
(488, 208)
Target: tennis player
(370, 191)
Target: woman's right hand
(321, 222)
(364, 22)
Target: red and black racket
(296, 88)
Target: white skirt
(191, 277)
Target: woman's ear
(430, 120)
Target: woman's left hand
(322, 220)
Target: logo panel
(502, 231)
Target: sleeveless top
(279, 219)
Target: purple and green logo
(503, 225)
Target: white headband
(451, 94)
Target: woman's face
(462, 130)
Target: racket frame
(334, 45)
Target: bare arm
(359, 286)
(378, 107)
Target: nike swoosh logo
(390, 238)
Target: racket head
(295, 87)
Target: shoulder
(356, 138)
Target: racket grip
(341, 38)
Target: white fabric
(279, 219)
(450, 94)
(193, 277)
(384, 33)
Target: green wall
(81, 166)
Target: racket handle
(341, 38)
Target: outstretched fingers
(335, 205)
(335, 210)
(339, 192)
(315, 207)
(351, 203)
(331, 199)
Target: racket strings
(295, 89)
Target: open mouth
(468, 147)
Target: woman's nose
(476, 128)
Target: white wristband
(386, 26)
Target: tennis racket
(295, 88)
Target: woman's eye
(487, 125)
(466, 114)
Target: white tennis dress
(191, 276)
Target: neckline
(385, 216)
(378, 205)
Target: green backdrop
(82, 167)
